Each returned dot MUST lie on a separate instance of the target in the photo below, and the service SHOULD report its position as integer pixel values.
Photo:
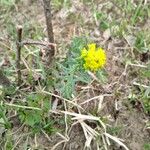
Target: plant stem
(49, 26)
(42, 43)
(18, 54)
(48, 17)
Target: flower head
(94, 58)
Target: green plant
(37, 119)
(114, 130)
(146, 100)
(9, 142)
(102, 19)
(7, 2)
(3, 118)
(58, 4)
(72, 72)
(142, 43)
(147, 146)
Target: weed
(9, 143)
(146, 100)
(115, 130)
(72, 69)
(142, 43)
(147, 146)
(58, 4)
(102, 19)
(7, 2)
(3, 118)
(35, 118)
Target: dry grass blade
(93, 76)
(57, 96)
(90, 134)
(100, 103)
(116, 140)
(138, 65)
(80, 116)
(91, 131)
(55, 104)
(43, 43)
(94, 98)
(46, 135)
(85, 117)
(56, 145)
(24, 107)
(104, 142)
(142, 85)
(63, 137)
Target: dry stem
(48, 17)
(18, 54)
(42, 43)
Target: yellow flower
(84, 53)
(94, 58)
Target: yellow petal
(92, 47)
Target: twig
(95, 98)
(42, 43)
(141, 85)
(46, 135)
(138, 65)
(18, 54)
(48, 17)
(49, 26)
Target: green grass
(58, 4)
(115, 130)
(146, 146)
(142, 43)
(3, 118)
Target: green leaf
(102, 75)
(30, 117)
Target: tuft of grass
(3, 118)
(9, 143)
(147, 146)
(37, 119)
(101, 18)
(58, 4)
(9, 4)
(114, 130)
(146, 100)
(142, 43)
